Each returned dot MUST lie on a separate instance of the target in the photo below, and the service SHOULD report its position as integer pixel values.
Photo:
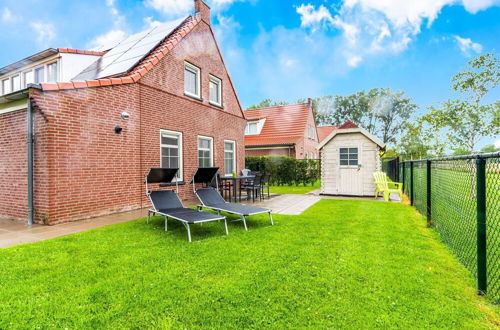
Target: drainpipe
(30, 162)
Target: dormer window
(191, 80)
(252, 128)
(6, 86)
(52, 72)
(39, 75)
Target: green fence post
(482, 276)
(411, 183)
(429, 192)
(403, 172)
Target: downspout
(30, 162)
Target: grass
(300, 189)
(354, 264)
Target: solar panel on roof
(128, 52)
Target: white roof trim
(351, 130)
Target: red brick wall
(270, 152)
(84, 169)
(308, 145)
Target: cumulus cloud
(376, 27)
(171, 8)
(467, 46)
(7, 16)
(111, 38)
(45, 33)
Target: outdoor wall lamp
(125, 115)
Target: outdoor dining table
(235, 180)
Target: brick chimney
(310, 102)
(201, 7)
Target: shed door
(350, 174)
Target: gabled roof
(284, 125)
(135, 68)
(324, 131)
(349, 129)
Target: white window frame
(349, 153)
(197, 71)
(43, 75)
(211, 139)
(218, 82)
(47, 71)
(8, 84)
(181, 163)
(234, 156)
(247, 130)
(25, 81)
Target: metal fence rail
(460, 196)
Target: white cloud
(7, 16)
(149, 22)
(380, 27)
(172, 8)
(312, 17)
(111, 38)
(45, 33)
(497, 143)
(467, 46)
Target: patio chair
(385, 186)
(168, 204)
(253, 186)
(211, 199)
(266, 184)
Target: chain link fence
(460, 196)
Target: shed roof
(338, 131)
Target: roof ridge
(277, 106)
(141, 69)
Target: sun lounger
(211, 199)
(168, 204)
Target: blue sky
(287, 50)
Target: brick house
(286, 130)
(160, 98)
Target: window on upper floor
(16, 83)
(39, 75)
(310, 132)
(28, 78)
(215, 91)
(205, 151)
(191, 80)
(251, 128)
(52, 72)
(6, 86)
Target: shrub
(285, 170)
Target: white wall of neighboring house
(68, 66)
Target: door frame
(358, 167)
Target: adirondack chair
(387, 187)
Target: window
(215, 91)
(310, 132)
(16, 83)
(251, 129)
(229, 157)
(348, 156)
(191, 80)
(6, 86)
(171, 150)
(39, 75)
(52, 72)
(205, 151)
(28, 78)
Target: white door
(350, 174)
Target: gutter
(30, 161)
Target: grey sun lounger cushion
(212, 199)
(166, 202)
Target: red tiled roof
(79, 51)
(324, 131)
(284, 124)
(140, 69)
(348, 124)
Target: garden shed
(349, 157)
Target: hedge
(285, 170)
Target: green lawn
(354, 264)
(300, 189)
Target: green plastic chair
(386, 186)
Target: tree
(467, 121)
(489, 148)
(380, 111)
(265, 103)
(414, 143)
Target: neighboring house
(349, 157)
(286, 130)
(160, 98)
(324, 131)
